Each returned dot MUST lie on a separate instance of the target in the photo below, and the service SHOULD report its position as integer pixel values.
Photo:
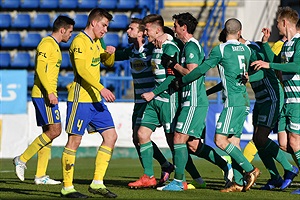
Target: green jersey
(194, 94)
(141, 69)
(161, 75)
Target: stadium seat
(137, 15)
(87, 4)
(111, 39)
(80, 21)
(68, 4)
(41, 20)
(31, 40)
(21, 60)
(120, 21)
(149, 4)
(124, 43)
(10, 4)
(66, 63)
(4, 59)
(5, 20)
(30, 79)
(67, 44)
(65, 80)
(22, 20)
(126, 4)
(108, 4)
(11, 40)
(46, 4)
(30, 4)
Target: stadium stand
(30, 4)
(126, 4)
(108, 4)
(68, 4)
(31, 40)
(4, 60)
(87, 4)
(111, 39)
(21, 20)
(21, 60)
(11, 40)
(40, 21)
(120, 21)
(47, 5)
(80, 21)
(5, 20)
(10, 4)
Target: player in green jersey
(232, 59)
(139, 54)
(194, 104)
(45, 100)
(288, 61)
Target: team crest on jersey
(98, 47)
(191, 55)
(138, 65)
(179, 125)
(153, 65)
(157, 56)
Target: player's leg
(49, 118)
(231, 122)
(250, 151)
(77, 119)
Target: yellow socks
(39, 142)
(250, 151)
(68, 161)
(43, 158)
(101, 163)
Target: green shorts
(191, 120)
(231, 121)
(137, 115)
(159, 113)
(266, 114)
(290, 118)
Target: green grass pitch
(120, 173)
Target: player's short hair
(288, 13)
(154, 19)
(97, 14)
(232, 26)
(139, 22)
(298, 25)
(222, 35)
(62, 21)
(186, 19)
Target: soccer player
(85, 106)
(194, 104)
(232, 59)
(45, 101)
(288, 61)
(140, 54)
(161, 110)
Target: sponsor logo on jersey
(191, 55)
(262, 118)
(295, 126)
(138, 65)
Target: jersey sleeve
(122, 54)
(43, 53)
(190, 55)
(171, 50)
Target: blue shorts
(90, 116)
(45, 113)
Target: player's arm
(122, 54)
(214, 89)
(211, 62)
(108, 56)
(43, 54)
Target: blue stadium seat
(22, 20)
(21, 60)
(80, 21)
(124, 43)
(66, 79)
(4, 59)
(30, 79)
(5, 20)
(66, 63)
(108, 4)
(10, 4)
(137, 15)
(126, 4)
(41, 20)
(30, 4)
(46, 4)
(149, 4)
(67, 44)
(120, 21)
(111, 39)
(87, 4)
(68, 4)
(11, 40)
(31, 40)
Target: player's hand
(258, 64)
(110, 49)
(169, 61)
(148, 96)
(266, 36)
(160, 40)
(176, 84)
(243, 78)
(52, 99)
(107, 95)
